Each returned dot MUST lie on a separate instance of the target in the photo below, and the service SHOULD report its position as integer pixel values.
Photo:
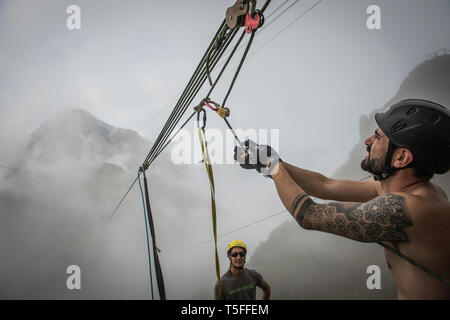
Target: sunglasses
(235, 254)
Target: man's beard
(368, 166)
(237, 267)
(373, 166)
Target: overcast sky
(130, 61)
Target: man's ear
(402, 158)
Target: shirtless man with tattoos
(400, 207)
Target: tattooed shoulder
(384, 218)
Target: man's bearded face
(376, 148)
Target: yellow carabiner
(223, 112)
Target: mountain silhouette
(76, 137)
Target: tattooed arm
(381, 219)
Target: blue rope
(146, 231)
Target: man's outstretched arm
(381, 219)
(264, 159)
(320, 186)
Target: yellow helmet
(236, 243)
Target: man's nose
(369, 140)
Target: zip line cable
(192, 88)
(223, 235)
(168, 123)
(203, 79)
(177, 116)
(248, 43)
(287, 27)
(157, 113)
(121, 200)
(146, 233)
(262, 29)
(265, 26)
(273, 12)
(252, 36)
(160, 149)
(278, 16)
(212, 87)
(174, 114)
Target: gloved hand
(260, 157)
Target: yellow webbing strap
(207, 161)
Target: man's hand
(247, 158)
(260, 157)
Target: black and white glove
(260, 157)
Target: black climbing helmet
(423, 127)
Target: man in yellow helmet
(240, 283)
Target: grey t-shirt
(241, 287)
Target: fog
(64, 170)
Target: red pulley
(253, 23)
